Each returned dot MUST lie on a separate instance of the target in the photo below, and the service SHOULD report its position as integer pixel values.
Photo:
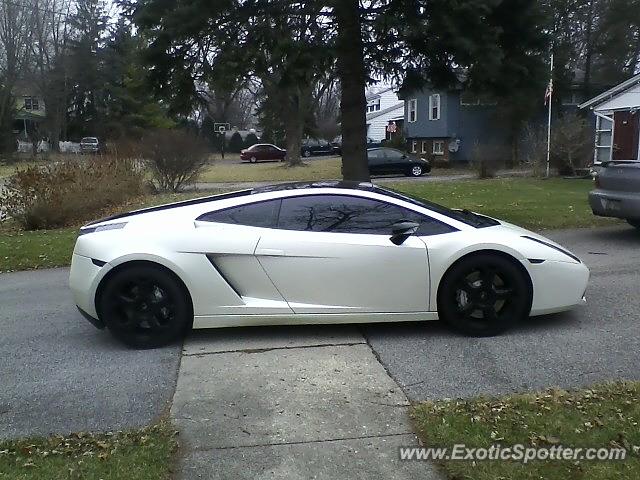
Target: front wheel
(415, 171)
(634, 222)
(145, 307)
(483, 295)
(306, 153)
(253, 159)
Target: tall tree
(281, 44)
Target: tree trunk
(293, 126)
(352, 75)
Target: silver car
(89, 145)
(617, 192)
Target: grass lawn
(145, 454)
(606, 415)
(536, 204)
(528, 202)
(323, 169)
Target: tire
(145, 307)
(466, 304)
(634, 222)
(253, 159)
(415, 171)
(306, 153)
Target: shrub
(251, 140)
(236, 143)
(70, 191)
(175, 157)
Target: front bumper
(84, 277)
(96, 322)
(605, 203)
(558, 286)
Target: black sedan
(383, 161)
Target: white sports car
(328, 252)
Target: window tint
(260, 214)
(347, 214)
(375, 156)
(393, 154)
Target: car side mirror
(402, 230)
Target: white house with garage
(383, 108)
(617, 113)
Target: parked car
(311, 147)
(617, 191)
(263, 151)
(386, 160)
(90, 145)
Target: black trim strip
(561, 250)
(536, 260)
(98, 263)
(224, 277)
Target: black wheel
(634, 222)
(483, 295)
(145, 307)
(415, 171)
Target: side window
(259, 214)
(347, 214)
(393, 155)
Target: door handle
(269, 252)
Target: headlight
(101, 228)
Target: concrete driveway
(60, 374)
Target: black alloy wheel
(145, 307)
(483, 295)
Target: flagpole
(549, 120)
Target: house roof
(612, 92)
(397, 106)
(377, 94)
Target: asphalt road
(60, 374)
(596, 342)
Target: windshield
(89, 140)
(461, 215)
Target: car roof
(342, 184)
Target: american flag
(548, 92)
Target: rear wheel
(634, 222)
(415, 171)
(483, 295)
(145, 307)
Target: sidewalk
(289, 403)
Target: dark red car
(263, 151)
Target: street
(60, 374)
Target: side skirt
(219, 321)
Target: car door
(376, 162)
(395, 161)
(332, 254)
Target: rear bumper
(605, 203)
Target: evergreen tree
(236, 143)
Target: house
(30, 112)
(447, 124)
(383, 108)
(617, 122)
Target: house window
(373, 105)
(413, 110)
(31, 103)
(414, 146)
(438, 147)
(434, 106)
(424, 147)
